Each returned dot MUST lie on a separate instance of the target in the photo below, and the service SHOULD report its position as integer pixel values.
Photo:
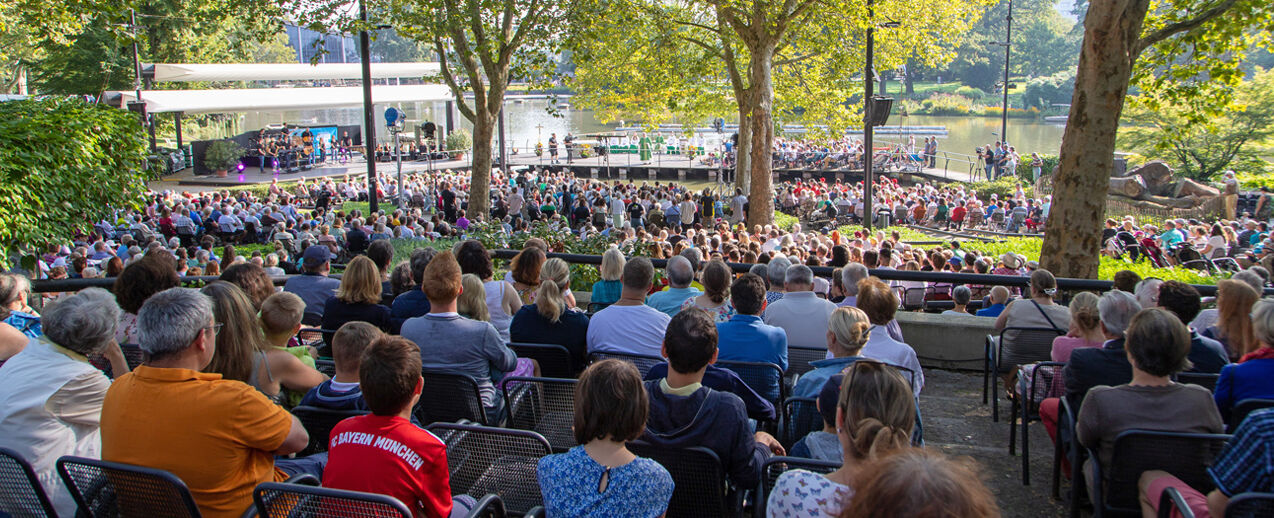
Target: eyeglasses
(216, 328)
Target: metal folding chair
(1202, 379)
(800, 417)
(450, 398)
(1250, 505)
(280, 500)
(1031, 344)
(327, 367)
(1243, 408)
(701, 488)
(643, 363)
(543, 405)
(20, 491)
(500, 461)
(759, 376)
(555, 360)
(318, 422)
(109, 489)
(1184, 455)
(775, 466)
(1046, 382)
(1171, 500)
(799, 358)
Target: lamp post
(869, 102)
(369, 119)
(1008, 48)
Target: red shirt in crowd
(390, 456)
(957, 214)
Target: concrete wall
(946, 341)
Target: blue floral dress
(569, 482)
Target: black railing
(45, 286)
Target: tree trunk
(1072, 239)
(743, 163)
(761, 120)
(909, 78)
(480, 175)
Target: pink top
(1064, 345)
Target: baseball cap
(316, 255)
(828, 398)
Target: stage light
(240, 166)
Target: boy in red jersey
(384, 452)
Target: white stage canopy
(189, 72)
(277, 99)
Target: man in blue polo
(746, 338)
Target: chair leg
(995, 396)
(1012, 427)
(1026, 448)
(986, 371)
(1057, 469)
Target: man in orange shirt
(218, 436)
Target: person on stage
(553, 148)
(643, 147)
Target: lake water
(529, 121)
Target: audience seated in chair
(921, 483)
(680, 274)
(1085, 328)
(875, 414)
(745, 337)
(414, 303)
(879, 302)
(218, 436)
(1233, 327)
(1242, 467)
(293, 367)
(684, 413)
(313, 285)
(999, 300)
(630, 326)
(600, 477)
(1253, 376)
(343, 391)
(801, 314)
(452, 343)
(848, 330)
(359, 298)
(52, 401)
(1157, 345)
(1181, 299)
(549, 320)
(384, 452)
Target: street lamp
(1008, 47)
(869, 78)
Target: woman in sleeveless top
(502, 299)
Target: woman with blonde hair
(715, 299)
(606, 290)
(848, 329)
(1085, 328)
(472, 303)
(550, 320)
(357, 299)
(1234, 301)
(875, 414)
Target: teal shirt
(669, 301)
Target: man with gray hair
(680, 273)
(1107, 365)
(777, 273)
(218, 436)
(801, 314)
(850, 275)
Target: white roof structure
(278, 99)
(191, 72)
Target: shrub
(970, 92)
(222, 155)
(946, 104)
(1043, 92)
(459, 140)
(1003, 187)
(784, 221)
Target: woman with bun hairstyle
(874, 418)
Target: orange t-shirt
(215, 435)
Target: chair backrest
(699, 479)
(1046, 381)
(109, 489)
(279, 500)
(643, 363)
(1203, 379)
(594, 307)
(1245, 407)
(555, 360)
(451, 397)
(543, 405)
(327, 367)
(1184, 455)
(800, 417)
(20, 491)
(1250, 505)
(799, 358)
(913, 298)
(775, 466)
(759, 376)
(1022, 345)
(484, 460)
(318, 422)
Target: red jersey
(390, 456)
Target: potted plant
(221, 156)
(458, 142)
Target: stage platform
(616, 167)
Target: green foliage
(946, 104)
(1030, 248)
(975, 94)
(222, 155)
(784, 221)
(1253, 182)
(63, 164)
(1026, 171)
(1043, 92)
(1003, 187)
(459, 139)
(905, 233)
(1236, 139)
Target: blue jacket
(1207, 355)
(726, 380)
(993, 310)
(669, 301)
(323, 396)
(811, 383)
(710, 419)
(411, 304)
(1248, 380)
(746, 338)
(1093, 366)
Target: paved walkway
(956, 421)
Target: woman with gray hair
(51, 396)
(961, 296)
